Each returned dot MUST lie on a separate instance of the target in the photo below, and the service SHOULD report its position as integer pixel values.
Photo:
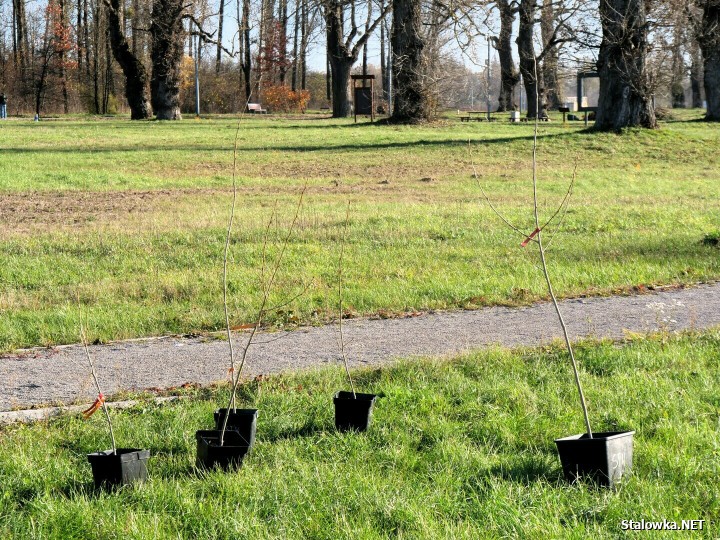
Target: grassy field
(460, 448)
(124, 222)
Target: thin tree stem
(340, 300)
(227, 247)
(545, 269)
(83, 338)
(261, 313)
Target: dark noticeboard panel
(363, 100)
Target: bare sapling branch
(227, 242)
(541, 250)
(266, 287)
(340, 299)
(536, 237)
(100, 400)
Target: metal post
(197, 77)
(488, 81)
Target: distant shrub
(281, 98)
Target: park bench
(477, 116)
(256, 108)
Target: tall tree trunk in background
(509, 76)
(340, 59)
(22, 40)
(79, 38)
(625, 98)
(247, 63)
(168, 36)
(296, 31)
(282, 41)
(136, 79)
(96, 56)
(86, 38)
(304, 35)
(62, 6)
(709, 40)
(529, 67)
(383, 60)
(696, 75)
(221, 17)
(677, 91)
(554, 94)
(410, 98)
(328, 79)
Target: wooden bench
(477, 116)
(256, 108)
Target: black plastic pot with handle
(604, 459)
(244, 421)
(353, 413)
(125, 466)
(210, 454)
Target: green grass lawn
(124, 222)
(458, 448)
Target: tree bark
(625, 98)
(696, 75)
(136, 79)
(167, 33)
(410, 99)
(531, 72)
(509, 76)
(677, 91)
(295, 61)
(221, 17)
(553, 89)
(340, 59)
(384, 79)
(710, 46)
(247, 63)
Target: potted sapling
(352, 409)
(603, 457)
(227, 445)
(117, 466)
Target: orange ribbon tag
(87, 413)
(532, 235)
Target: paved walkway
(55, 376)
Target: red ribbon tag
(532, 235)
(87, 413)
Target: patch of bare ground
(29, 212)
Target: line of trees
(82, 54)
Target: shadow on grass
(308, 429)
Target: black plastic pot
(353, 413)
(244, 421)
(210, 454)
(605, 459)
(126, 466)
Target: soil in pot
(604, 459)
(353, 413)
(126, 466)
(210, 454)
(244, 421)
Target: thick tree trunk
(553, 89)
(710, 47)
(509, 76)
(167, 33)
(340, 68)
(410, 99)
(340, 60)
(136, 79)
(303, 44)
(531, 72)
(625, 99)
(696, 76)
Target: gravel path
(54, 376)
